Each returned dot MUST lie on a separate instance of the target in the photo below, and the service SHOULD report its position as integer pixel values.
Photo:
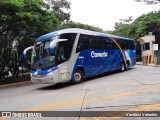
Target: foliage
(60, 8)
(71, 24)
(21, 22)
(141, 26)
(122, 28)
(145, 24)
(149, 2)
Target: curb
(15, 84)
(149, 65)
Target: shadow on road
(68, 84)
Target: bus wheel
(122, 67)
(78, 77)
(127, 66)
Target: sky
(105, 13)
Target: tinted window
(114, 45)
(65, 47)
(102, 43)
(94, 42)
(83, 42)
(97, 42)
(126, 44)
(132, 45)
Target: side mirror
(54, 43)
(25, 51)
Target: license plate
(39, 81)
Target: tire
(127, 66)
(78, 77)
(122, 69)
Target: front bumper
(49, 78)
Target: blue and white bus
(73, 54)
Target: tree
(122, 28)
(21, 22)
(60, 9)
(146, 23)
(71, 24)
(141, 26)
(149, 2)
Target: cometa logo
(103, 54)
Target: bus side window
(112, 45)
(83, 43)
(131, 45)
(121, 43)
(107, 43)
(102, 43)
(61, 55)
(126, 45)
(95, 43)
(80, 45)
(68, 45)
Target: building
(148, 49)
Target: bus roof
(81, 31)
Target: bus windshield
(41, 55)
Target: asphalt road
(137, 89)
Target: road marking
(88, 94)
(53, 106)
(151, 83)
(123, 86)
(81, 95)
(113, 87)
(14, 84)
(92, 93)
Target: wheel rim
(127, 66)
(122, 67)
(77, 77)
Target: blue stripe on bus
(43, 72)
(95, 66)
(46, 36)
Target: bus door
(63, 63)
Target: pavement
(15, 84)
(134, 90)
(153, 65)
(29, 81)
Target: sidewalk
(153, 65)
(15, 84)
(15, 81)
